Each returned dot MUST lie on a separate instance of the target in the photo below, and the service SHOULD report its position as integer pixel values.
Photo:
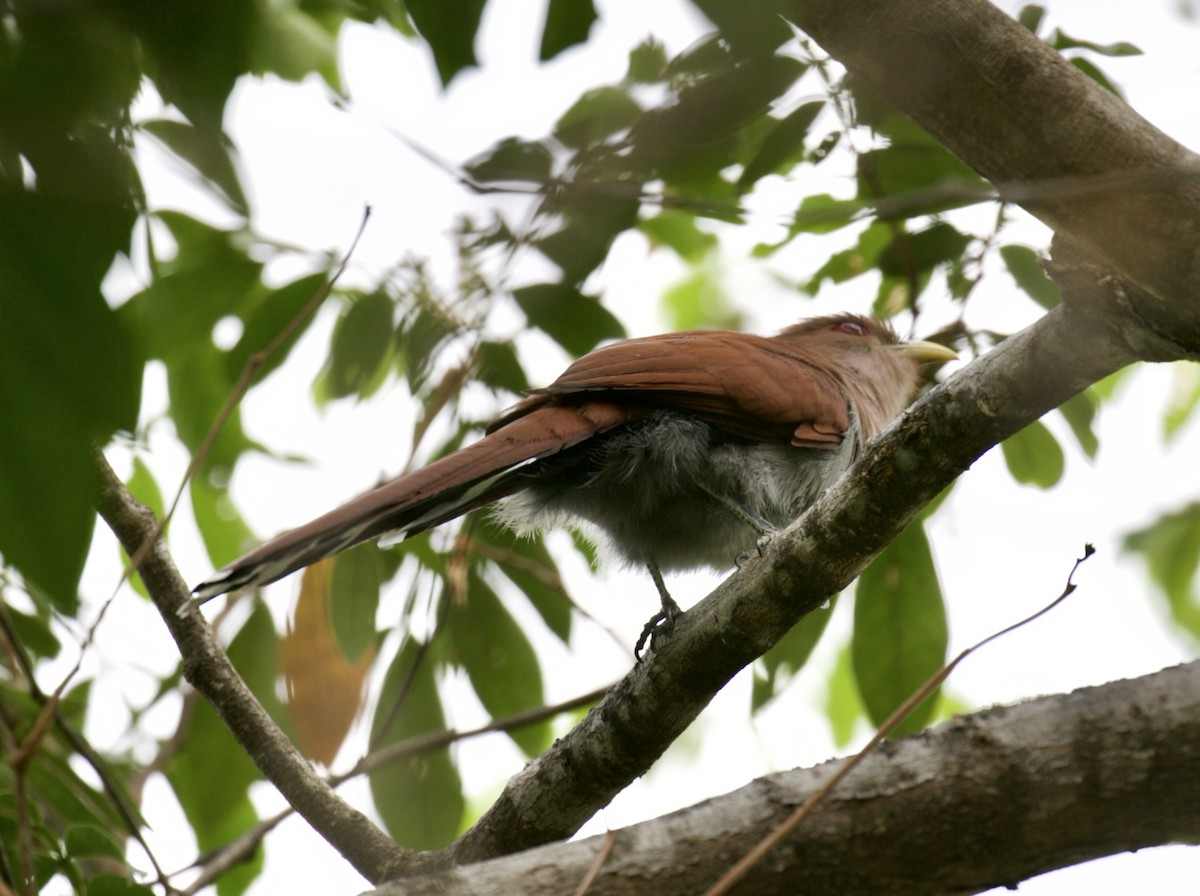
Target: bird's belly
(667, 490)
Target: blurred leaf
(419, 797)
(843, 706)
(1034, 456)
(226, 535)
(529, 566)
(1025, 266)
(210, 154)
(1031, 16)
(1093, 71)
(292, 44)
(852, 262)
(449, 27)
(92, 840)
(915, 175)
(592, 215)
(72, 378)
(1080, 413)
(598, 114)
(324, 687)
(1170, 547)
(710, 110)
(143, 486)
(111, 885)
(354, 591)
(575, 321)
(499, 366)
(211, 774)
(908, 253)
(33, 631)
(647, 62)
(567, 24)
(1185, 395)
(1062, 41)
(360, 350)
(512, 159)
(420, 337)
(788, 656)
(900, 631)
(699, 300)
(783, 146)
(751, 27)
(265, 315)
(499, 660)
(678, 230)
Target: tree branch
(207, 668)
(981, 801)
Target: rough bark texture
(982, 801)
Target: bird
(683, 450)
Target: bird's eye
(853, 327)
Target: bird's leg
(766, 531)
(662, 622)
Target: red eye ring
(852, 327)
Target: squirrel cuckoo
(682, 449)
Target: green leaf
(908, 253)
(567, 24)
(449, 27)
(1063, 41)
(1170, 547)
(33, 631)
(788, 656)
(575, 321)
(498, 659)
(419, 797)
(852, 262)
(1185, 395)
(354, 598)
(1031, 16)
(821, 213)
(112, 885)
(1034, 456)
(360, 350)
(226, 535)
(512, 159)
(1024, 265)
(265, 315)
(209, 153)
(598, 114)
(529, 566)
(783, 145)
(499, 366)
(1093, 71)
(1080, 413)
(699, 300)
(92, 841)
(71, 373)
(593, 215)
(292, 44)
(843, 706)
(900, 631)
(678, 230)
(914, 175)
(647, 62)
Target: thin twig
(768, 843)
(601, 857)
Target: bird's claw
(661, 624)
(760, 548)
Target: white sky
(1002, 550)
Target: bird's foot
(660, 625)
(760, 548)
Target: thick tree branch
(982, 801)
(207, 668)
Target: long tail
(449, 487)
